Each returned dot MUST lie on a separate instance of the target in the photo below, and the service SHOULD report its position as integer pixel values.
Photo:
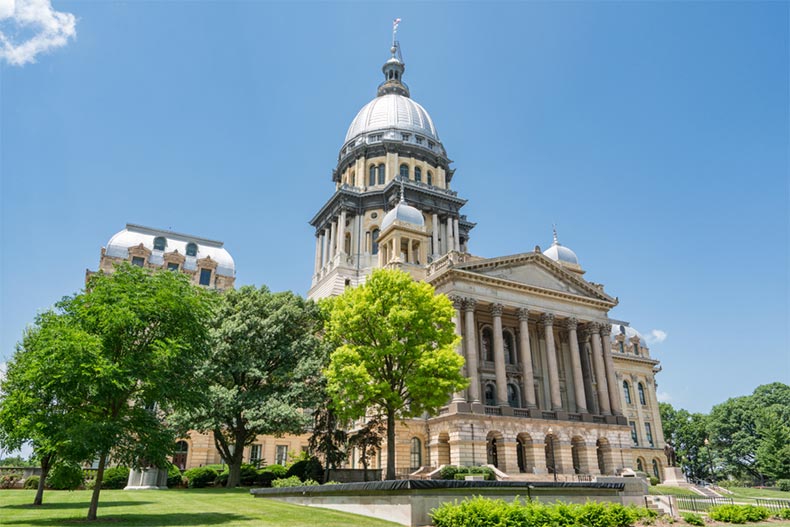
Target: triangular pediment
(537, 271)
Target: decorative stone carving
(458, 302)
(595, 328)
(547, 319)
(523, 313)
(606, 329)
(496, 310)
(469, 304)
(571, 324)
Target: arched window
(374, 238)
(639, 466)
(490, 395)
(160, 243)
(430, 178)
(180, 455)
(655, 469)
(416, 453)
(627, 392)
(418, 174)
(512, 396)
(510, 351)
(404, 171)
(485, 345)
(381, 174)
(641, 390)
(191, 249)
(372, 176)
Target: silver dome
(392, 112)
(560, 253)
(405, 213)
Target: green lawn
(748, 492)
(193, 507)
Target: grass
(177, 507)
(661, 490)
(749, 492)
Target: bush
(200, 477)
(279, 471)
(9, 480)
(783, 485)
(32, 482)
(653, 481)
(65, 476)
(115, 478)
(455, 472)
(306, 469)
(692, 519)
(264, 478)
(784, 514)
(174, 477)
(293, 481)
(738, 513)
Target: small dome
(560, 253)
(629, 333)
(405, 213)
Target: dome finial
(402, 196)
(554, 228)
(393, 69)
(395, 46)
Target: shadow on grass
(73, 505)
(148, 520)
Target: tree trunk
(364, 465)
(46, 462)
(234, 463)
(390, 444)
(97, 488)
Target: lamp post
(551, 451)
(710, 461)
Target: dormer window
(205, 277)
(405, 137)
(172, 266)
(160, 243)
(191, 249)
(431, 145)
(404, 171)
(139, 261)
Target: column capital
(606, 329)
(595, 328)
(571, 324)
(547, 319)
(458, 301)
(469, 304)
(523, 314)
(496, 309)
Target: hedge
(200, 477)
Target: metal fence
(695, 504)
(773, 504)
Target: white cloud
(656, 336)
(31, 27)
(664, 397)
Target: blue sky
(655, 135)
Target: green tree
(36, 396)
(264, 368)
(367, 440)
(133, 338)
(328, 438)
(394, 355)
(688, 432)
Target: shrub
(9, 480)
(115, 478)
(449, 472)
(32, 482)
(339, 483)
(653, 481)
(279, 471)
(293, 481)
(783, 485)
(692, 519)
(784, 514)
(200, 477)
(65, 476)
(174, 477)
(264, 478)
(738, 513)
(306, 469)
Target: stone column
(457, 235)
(317, 253)
(600, 370)
(608, 363)
(535, 452)
(341, 233)
(326, 246)
(658, 431)
(450, 235)
(333, 241)
(435, 251)
(458, 397)
(576, 364)
(588, 459)
(547, 319)
(525, 357)
(499, 356)
(470, 333)
(563, 457)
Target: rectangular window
(281, 455)
(255, 454)
(139, 261)
(172, 266)
(634, 437)
(649, 434)
(205, 276)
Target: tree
(688, 432)
(263, 370)
(128, 347)
(37, 404)
(328, 438)
(394, 355)
(367, 440)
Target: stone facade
(549, 393)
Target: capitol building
(558, 388)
